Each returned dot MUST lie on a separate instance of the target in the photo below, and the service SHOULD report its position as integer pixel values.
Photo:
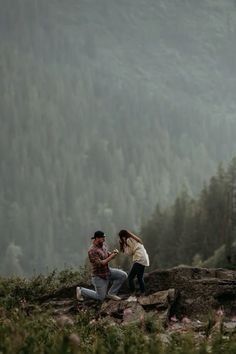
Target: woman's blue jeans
(136, 270)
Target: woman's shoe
(132, 298)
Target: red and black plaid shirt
(96, 255)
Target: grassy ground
(27, 328)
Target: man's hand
(114, 253)
(111, 255)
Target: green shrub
(27, 328)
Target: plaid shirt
(96, 254)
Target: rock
(180, 291)
(133, 313)
(158, 303)
(161, 302)
(58, 303)
(229, 327)
(164, 338)
(200, 290)
(125, 311)
(74, 340)
(186, 320)
(161, 299)
(63, 292)
(63, 310)
(112, 308)
(64, 320)
(59, 307)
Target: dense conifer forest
(114, 113)
(191, 230)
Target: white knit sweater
(137, 250)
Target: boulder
(200, 290)
(180, 291)
(123, 311)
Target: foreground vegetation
(26, 327)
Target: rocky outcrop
(158, 304)
(180, 292)
(200, 290)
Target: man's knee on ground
(125, 275)
(101, 297)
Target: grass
(37, 331)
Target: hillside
(187, 310)
(107, 108)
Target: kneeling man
(102, 274)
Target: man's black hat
(98, 234)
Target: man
(102, 274)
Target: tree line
(192, 229)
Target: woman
(133, 245)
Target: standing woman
(133, 245)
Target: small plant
(152, 324)
(210, 324)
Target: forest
(191, 231)
(115, 115)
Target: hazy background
(108, 108)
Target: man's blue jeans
(117, 277)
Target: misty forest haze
(109, 110)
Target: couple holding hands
(102, 274)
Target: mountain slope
(106, 109)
